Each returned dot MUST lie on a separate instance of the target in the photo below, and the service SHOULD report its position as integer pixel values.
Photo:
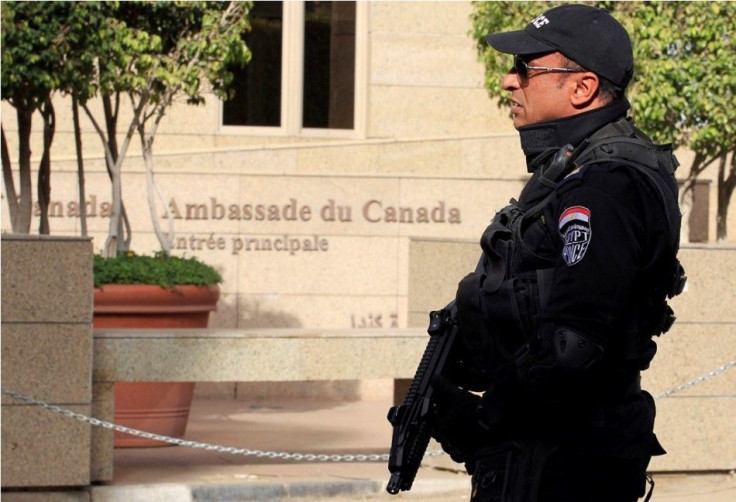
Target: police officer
(557, 321)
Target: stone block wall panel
(47, 355)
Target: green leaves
(684, 82)
(159, 269)
(31, 64)
(687, 66)
(684, 85)
(88, 47)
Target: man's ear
(585, 89)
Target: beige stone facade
(312, 228)
(432, 157)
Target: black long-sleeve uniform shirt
(606, 231)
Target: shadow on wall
(248, 315)
(333, 390)
(252, 315)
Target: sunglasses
(522, 68)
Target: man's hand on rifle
(458, 429)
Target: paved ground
(174, 474)
(670, 488)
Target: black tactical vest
(520, 276)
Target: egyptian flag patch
(574, 226)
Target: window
(302, 74)
(257, 85)
(329, 65)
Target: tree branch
(699, 164)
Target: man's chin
(517, 121)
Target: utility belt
(510, 472)
(514, 471)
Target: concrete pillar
(46, 354)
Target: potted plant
(155, 53)
(159, 291)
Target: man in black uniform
(557, 322)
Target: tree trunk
(80, 167)
(164, 240)
(10, 192)
(726, 185)
(119, 234)
(123, 235)
(44, 168)
(22, 221)
(111, 124)
(117, 241)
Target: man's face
(545, 97)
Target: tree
(154, 52)
(34, 49)
(684, 77)
(143, 53)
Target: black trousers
(565, 475)
(572, 477)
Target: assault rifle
(415, 419)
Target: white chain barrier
(304, 457)
(697, 381)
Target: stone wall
(46, 354)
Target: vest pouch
(512, 313)
(493, 326)
(474, 354)
(498, 246)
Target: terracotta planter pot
(158, 407)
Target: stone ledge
(270, 355)
(689, 423)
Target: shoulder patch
(574, 228)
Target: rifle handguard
(414, 420)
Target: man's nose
(510, 81)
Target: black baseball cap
(589, 36)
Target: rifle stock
(414, 420)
